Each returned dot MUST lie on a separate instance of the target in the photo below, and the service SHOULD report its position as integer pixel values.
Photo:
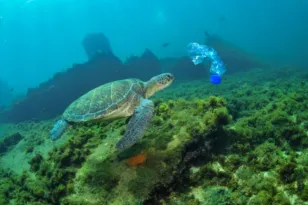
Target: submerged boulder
(96, 43)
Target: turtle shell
(111, 100)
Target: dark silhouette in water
(234, 58)
(165, 45)
(143, 67)
(96, 43)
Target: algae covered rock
(7, 142)
(193, 151)
(108, 175)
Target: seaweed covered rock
(8, 142)
(87, 169)
(280, 121)
(193, 151)
(54, 174)
(169, 148)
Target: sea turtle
(122, 98)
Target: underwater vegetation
(7, 142)
(248, 146)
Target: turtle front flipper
(58, 129)
(137, 124)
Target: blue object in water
(215, 79)
(198, 53)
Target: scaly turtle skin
(122, 98)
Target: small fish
(12, 89)
(165, 45)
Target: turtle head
(158, 83)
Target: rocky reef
(247, 146)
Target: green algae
(164, 153)
(264, 158)
(8, 142)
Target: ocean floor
(244, 141)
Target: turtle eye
(169, 76)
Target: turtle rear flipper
(58, 129)
(137, 124)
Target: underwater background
(231, 129)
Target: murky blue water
(41, 37)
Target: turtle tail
(58, 129)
